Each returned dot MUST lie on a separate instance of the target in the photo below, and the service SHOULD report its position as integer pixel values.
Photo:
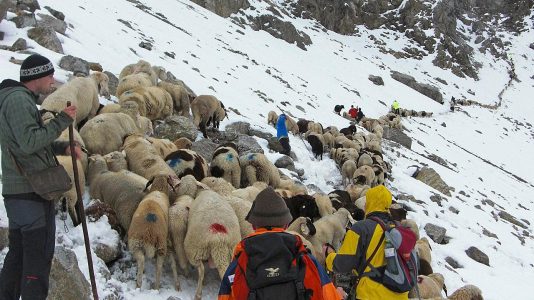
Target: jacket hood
(378, 199)
(10, 83)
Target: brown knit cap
(269, 209)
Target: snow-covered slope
(488, 151)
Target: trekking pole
(81, 212)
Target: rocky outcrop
(66, 279)
(477, 255)
(280, 29)
(376, 80)
(223, 8)
(431, 178)
(46, 37)
(75, 64)
(396, 135)
(175, 127)
(435, 232)
(426, 89)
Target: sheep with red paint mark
(212, 233)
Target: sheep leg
(159, 267)
(174, 272)
(200, 268)
(140, 259)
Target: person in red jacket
(271, 263)
(353, 112)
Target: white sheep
(82, 92)
(185, 161)
(225, 164)
(131, 82)
(179, 96)
(163, 146)
(324, 204)
(154, 103)
(71, 195)
(105, 133)
(178, 214)
(213, 219)
(347, 172)
(143, 158)
(256, 167)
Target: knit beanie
(35, 66)
(269, 209)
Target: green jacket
(23, 133)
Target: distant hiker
(395, 107)
(453, 104)
(271, 263)
(363, 252)
(281, 134)
(353, 112)
(360, 115)
(338, 108)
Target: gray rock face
(281, 29)
(19, 45)
(376, 80)
(452, 262)
(4, 6)
(396, 135)
(4, 240)
(431, 178)
(435, 232)
(238, 128)
(223, 8)
(175, 127)
(428, 90)
(261, 134)
(107, 253)
(24, 20)
(29, 5)
(59, 15)
(47, 21)
(47, 38)
(74, 64)
(274, 144)
(66, 280)
(112, 83)
(477, 255)
(205, 148)
(508, 217)
(285, 162)
(247, 144)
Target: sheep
(340, 198)
(338, 108)
(411, 225)
(303, 206)
(213, 219)
(110, 108)
(295, 188)
(317, 144)
(424, 251)
(184, 162)
(315, 127)
(365, 160)
(154, 103)
(428, 286)
(116, 161)
(203, 108)
(143, 158)
(250, 192)
(105, 133)
(71, 195)
(324, 204)
(328, 139)
(183, 143)
(272, 118)
(347, 172)
(144, 124)
(332, 129)
(144, 67)
(178, 214)
(122, 190)
(225, 164)
(163, 146)
(179, 96)
(64, 141)
(82, 92)
(132, 82)
(303, 125)
(357, 190)
(350, 130)
(149, 230)
(364, 175)
(189, 186)
(256, 167)
(217, 116)
(291, 125)
(467, 292)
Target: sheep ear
(304, 229)
(148, 184)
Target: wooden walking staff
(81, 212)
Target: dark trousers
(32, 231)
(285, 144)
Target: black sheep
(303, 206)
(341, 198)
(348, 130)
(303, 125)
(338, 108)
(316, 145)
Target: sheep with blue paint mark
(256, 167)
(225, 164)
(187, 162)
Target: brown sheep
(154, 102)
(203, 108)
(179, 96)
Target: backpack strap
(368, 261)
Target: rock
(19, 45)
(107, 253)
(452, 262)
(428, 90)
(247, 144)
(437, 159)
(74, 64)
(396, 135)
(4, 6)
(431, 178)
(47, 21)
(508, 217)
(281, 29)
(238, 128)
(175, 127)
(223, 8)
(55, 13)
(145, 45)
(4, 239)
(435, 232)
(47, 38)
(261, 134)
(376, 80)
(477, 255)
(24, 19)
(112, 83)
(531, 46)
(66, 280)
(205, 147)
(285, 162)
(274, 144)
(29, 5)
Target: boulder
(24, 19)
(223, 8)
(280, 29)
(66, 280)
(175, 127)
(274, 144)
(47, 38)
(206, 148)
(376, 80)
(107, 252)
(47, 21)
(285, 162)
(396, 135)
(261, 134)
(431, 178)
(112, 83)
(477, 255)
(29, 5)
(19, 45)
(238, 128)
(247, 144)
(74, 64)
(59, 15)
(426, 89)
(435, 232)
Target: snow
(486, 150)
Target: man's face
(44, 84)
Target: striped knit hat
(35, 66)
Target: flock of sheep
(174, 205)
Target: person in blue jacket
(281, 134)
